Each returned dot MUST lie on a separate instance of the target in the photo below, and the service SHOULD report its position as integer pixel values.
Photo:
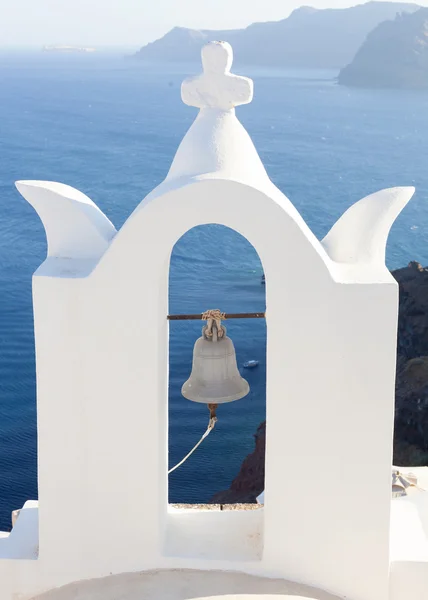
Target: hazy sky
(132, 22)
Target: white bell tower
(100, 311)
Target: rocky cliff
(411, 411)
(394, 55)
(309, 37)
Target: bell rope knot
(217, 87)
(213, 317)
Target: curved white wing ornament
(75, 227)
(359, 237)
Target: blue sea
(110, 127)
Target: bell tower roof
(217, 145)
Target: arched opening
(212, 266)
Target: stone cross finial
(217, 87)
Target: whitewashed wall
(102, 373)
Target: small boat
(263, 279)
(250, 364)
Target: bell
(215, 378)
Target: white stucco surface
(100, 307)
(186, 585)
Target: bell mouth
(209, 394)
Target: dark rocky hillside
(394, 55)
(411, 400)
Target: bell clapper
(213, 416)
(212, 408)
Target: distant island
(67, 49)
(308, 38)
(394, 55)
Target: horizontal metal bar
(259, 315)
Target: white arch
(320, 338)
(119, 334)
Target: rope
(211, 425)
(213, 313)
